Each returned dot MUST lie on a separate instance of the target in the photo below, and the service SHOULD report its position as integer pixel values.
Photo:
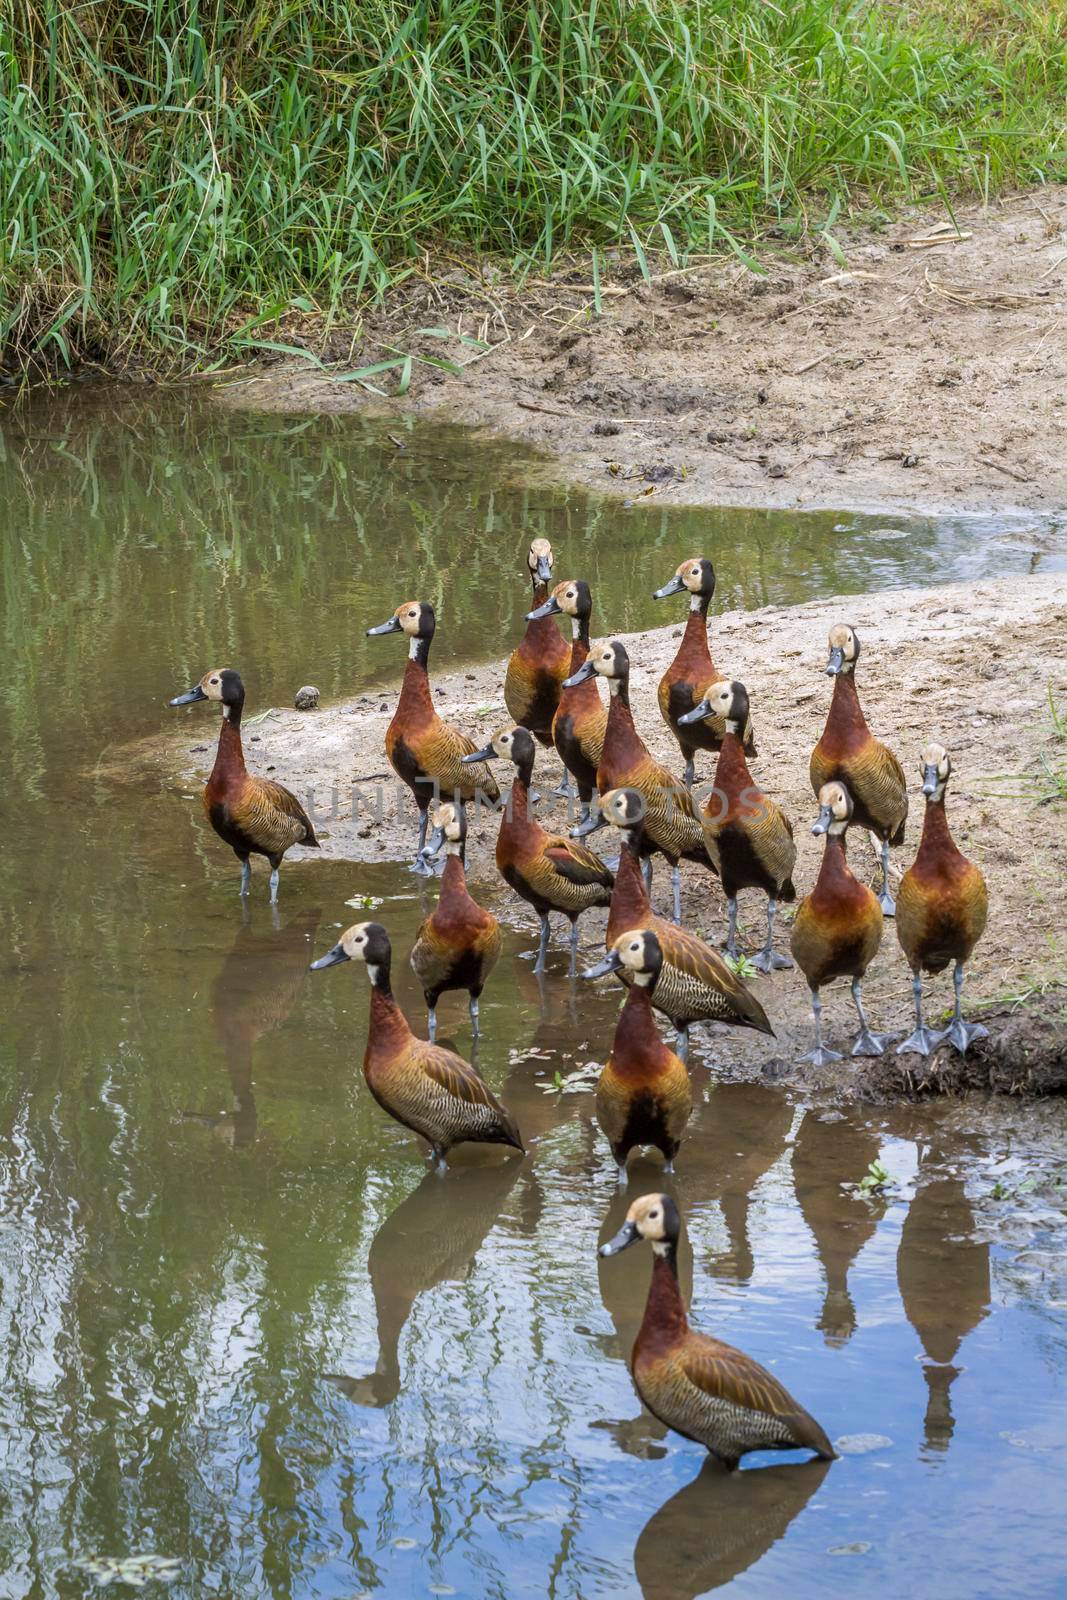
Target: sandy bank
(972, 665)
(928, 369)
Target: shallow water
(241, 1325)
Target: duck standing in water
(693, 674)
(426, 1088)
(942, 905)
(458, 944)
(252, 815)
(580, 721)
(838, 926)
(703, 1389)
(849, 751)
(549, 871)
(749, 837)
(424, 751)
(671, 826)
(694, 983)
(643, 1095)
(537, 667)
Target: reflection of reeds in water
(720, 1525)
(257, 988)
(827, 1155)
(943, 1275)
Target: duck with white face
(548, 870)
(672, 828)
(424, 751)
(702, 1388)
(423, 1086)
(458, 945)
(942, 907)
(847, 750)
(580, 720)
(643, 1096)
(254, 816)
(692, 674)
(537, 667)
(749, 837)
(838, 926)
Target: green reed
(180, 181)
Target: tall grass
(175, 178)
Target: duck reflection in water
(427, 1241)
(943, 1276)
(720, 1525)
(830, 1156)
(255, 993)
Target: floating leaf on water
(860, 1444)
(405, 1544)
(859, 1547)
(134, 1571)
(365, 902)
(441, 1588)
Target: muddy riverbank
(980, 667)
(922, 365)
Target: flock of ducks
(702, 1388)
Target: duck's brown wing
(706, 966)
(577, 864)
(723, 1373)
(272, 815)
(462, 1083)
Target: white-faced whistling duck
(458, 944)
(424, 1087)
(643, 1095)
(749, 837)
(672, 827)
(424, 751)
(942, 906)
(703, 1389)
(838, 926)
(252, 815)
(549, 871)
(849, 751)
(580, 721)
(692, 674)
(538, 666)
(694, 983)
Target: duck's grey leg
(473, 1008)
(420, 864)
(681, 1041)
(676, 892)
(867, 1043)
(542, 948)
(565, 789)
(646, 873)
(246, 876)
(821, 1055)
(924, 1040)
(690, 774)
(885, 899)
(768, 959)
(431, 1023)
(731, 927)
(572, 971)
(961, 1033)
(274, 887)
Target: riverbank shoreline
(979, 666)
(921, 366)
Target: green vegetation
(189, 181)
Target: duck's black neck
(381, 976)
(419, 650)
(619, 688)
(232, 711)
